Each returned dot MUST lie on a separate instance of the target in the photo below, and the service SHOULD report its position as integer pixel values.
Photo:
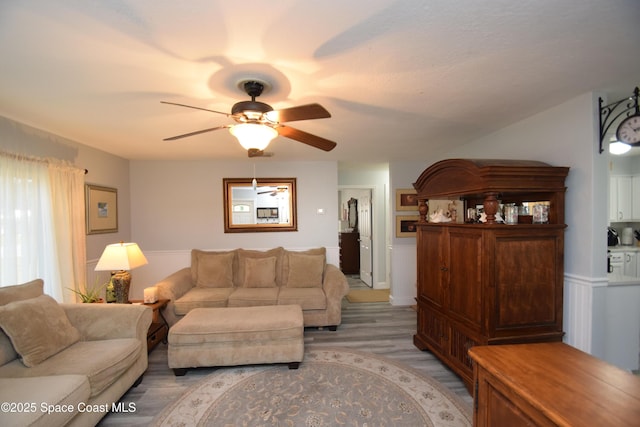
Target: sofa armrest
(172, 288)
(108, 321)
(335, 284)
(175, 285)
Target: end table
(159, 327)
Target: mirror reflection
(268, 204)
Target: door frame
(375, 248)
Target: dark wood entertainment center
(489, 283)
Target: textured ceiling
(402, 78)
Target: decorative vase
(121, 282)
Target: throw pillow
(215, 270)
(305, 271)
(38, 328)
(260, 272)
(198, 255)
(245, 254)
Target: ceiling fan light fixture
(252, 135)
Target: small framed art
(406, 225)
(406, 199)
(101, 205)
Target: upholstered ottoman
(232, 336)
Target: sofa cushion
(9, 294)
(212, 269)
(215, 270)
(38, 328)
(201, 298)
(307, 298)
(244, 254)
(305, 271)
(21, 292)
(285, 263)
(260, 272)
(253, 297)
(103, 362)
(55, 391)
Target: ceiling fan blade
(306, 138)
(302, 112)
(195, 108)
(195, 133)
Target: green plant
(91, 293)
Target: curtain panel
(42, 231)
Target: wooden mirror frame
(229, 184)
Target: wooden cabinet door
(431, 247)
(526, 285)
(465, 276)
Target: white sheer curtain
(42, 224)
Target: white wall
(178, 206)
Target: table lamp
(119, 258)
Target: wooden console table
(551, 384)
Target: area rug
(332, 387)
(368, 295)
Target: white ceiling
(401, 78)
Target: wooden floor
(378, 328)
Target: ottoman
(230, 336)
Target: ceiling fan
(274, 192)
(258, 123)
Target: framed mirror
(269, 206)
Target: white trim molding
(579, 310)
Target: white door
(364, 228)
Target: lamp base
(121, 283)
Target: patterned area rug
(332, 387)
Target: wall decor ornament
(406, 199)
(101, 205)
(406, 225)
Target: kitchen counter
(617, 279)
(623, 248)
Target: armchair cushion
(260, 272)
(21, 292)
(305, 271)
(10, 294)
(38, 328)
(103, 362)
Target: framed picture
(101, 205)
(406, 225)
(406, 199)
(452, 210)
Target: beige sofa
(67, 364)
(245, 278)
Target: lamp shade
(252, 135)
(121, 256)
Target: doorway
(356, 222)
